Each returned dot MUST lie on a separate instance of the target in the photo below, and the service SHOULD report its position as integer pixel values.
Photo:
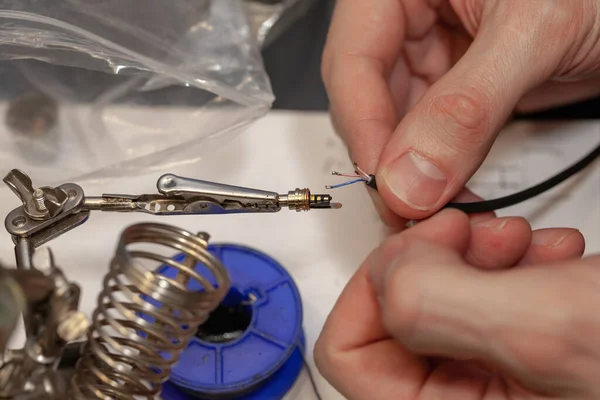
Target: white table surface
(322, 249)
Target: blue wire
(346, 183)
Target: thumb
(445, 137)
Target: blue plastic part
(275, 388)
(261, 356)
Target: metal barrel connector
(303, 200)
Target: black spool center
(228, 321)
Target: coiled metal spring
(144, 319)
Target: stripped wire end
(359, 175)
(369, 178)
(345, 174)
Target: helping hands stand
(124, 355)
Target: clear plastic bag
(95, 89)
(270, 18)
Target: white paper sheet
(322, 249)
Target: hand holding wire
(494, 204)
(359, 175)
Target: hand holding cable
(438, 80)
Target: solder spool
(252, 345)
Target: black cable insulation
(519, 197)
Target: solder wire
(311, 376)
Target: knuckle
(545, 11)
(565, 24)
(550, 21)
(463, 116)
(547, 33)
(581, 54)
(564, 13)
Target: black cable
(516, 198)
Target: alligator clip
(179, 196)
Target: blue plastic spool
(264, 360)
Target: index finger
(363, 45)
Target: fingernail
(494, 223)
(415, 180)
(480, 218)
(550, 237)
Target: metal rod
(23, 253)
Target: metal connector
(303, 200)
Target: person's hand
(419, 89)
(468, 310)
